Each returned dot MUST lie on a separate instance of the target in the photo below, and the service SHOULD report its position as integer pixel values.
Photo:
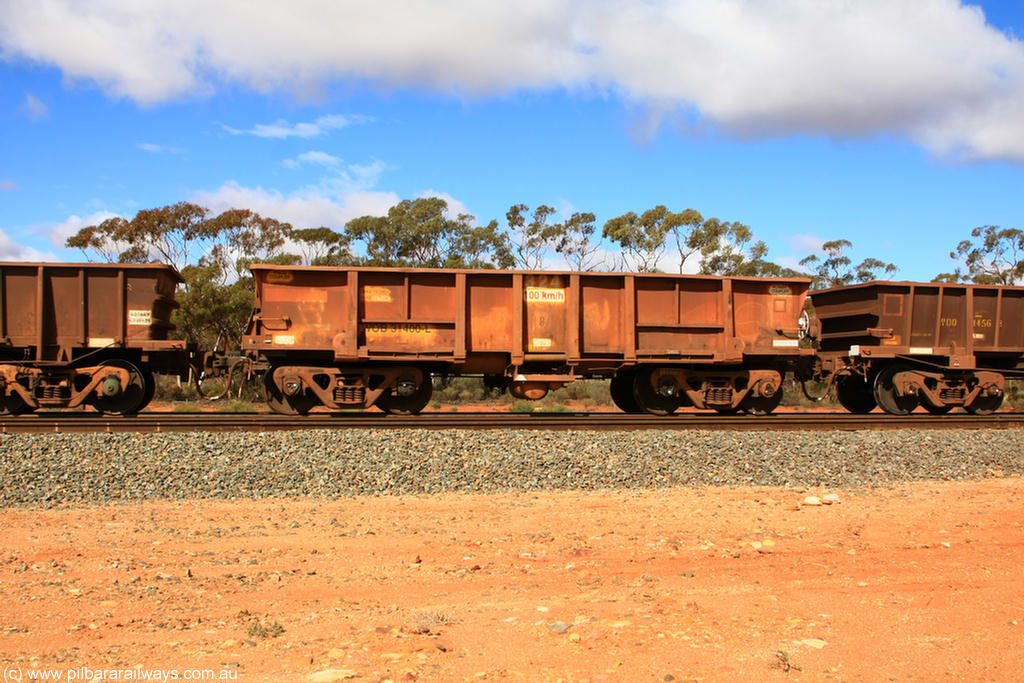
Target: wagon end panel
(150, 303)
(302, 310)
(767, 314)
(847, 315)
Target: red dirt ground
(918, 583)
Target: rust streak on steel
(261, 422)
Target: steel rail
(154, 422)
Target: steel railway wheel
(150, 392)
(14, 405)
(933, 408)
(855, 395)
(280, 402)
(621, 388)
(985, 405)
(128, 400)
(649, 400)
(403, 399)
(886, 395)
(762, 405)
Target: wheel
(885, 392)
(130, 399)
(411, 404)
(150, 392)
(855, 395)
(287, 405)
(14, 405)
(939, 408)
(761, 405)
(621, 388)
(934, 408)
(648, 399)
(985, 405)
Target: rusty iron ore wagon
(95, 334)
(900, 344)
(76, 334)
(358, 337)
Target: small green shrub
(523, 407)
(258, 629)
(238, 407)
(429, 622)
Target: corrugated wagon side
(83, 333)
(374, 336)
(901, 344)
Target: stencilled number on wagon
(949, 322)
(546, 295)
(982, 322)
(409, 328)
(142, 316)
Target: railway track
(154, 422)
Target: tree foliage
(420, 233)
(531, 239)
(575, 242)
(642, 236)
(321, 246)
(212, 312)
(721, 247)
(833, 268)
(994, 256)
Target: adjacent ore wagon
(358, 337)
(76, 334)
(901, 344)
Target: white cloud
(309, 208)
(930, 70)
(34, 108)
(153, 148)
(792, 262)
(59, 233)
(313, 157)
(804, 243)
(12, 251)
(283, 129)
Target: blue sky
(896, 124)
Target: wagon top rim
(377, 269)
(56, 265)
(909, 283)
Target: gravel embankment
(58, 469)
